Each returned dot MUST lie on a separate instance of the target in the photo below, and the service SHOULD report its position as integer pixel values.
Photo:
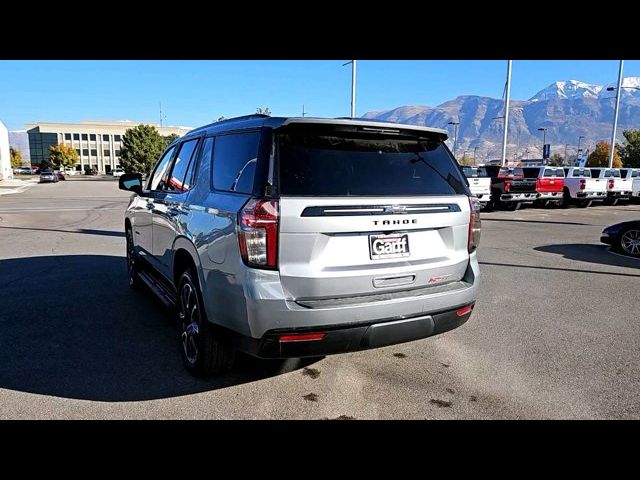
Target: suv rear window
(581, 173)
(475, 172)
(339, 163)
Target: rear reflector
(302, 337)
(464, 310)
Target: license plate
(394, 245)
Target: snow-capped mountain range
(566, 109)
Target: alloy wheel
(189, 317)
(630, 242)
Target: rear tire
(566, 199)
(585, 203)
(202, 352)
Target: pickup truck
(618, 188)
(479, 183)
(549, 184)
(634, 175)
(580, 188)
(509, 188)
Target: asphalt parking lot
(554, 333)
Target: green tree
(141, 147)
(61, 156)
(170, 138)
(600, 156)
(263, 111)
(556, 160)
(16, 157)
(466, 160)
(630, 152)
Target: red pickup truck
(549, 184)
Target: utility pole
(506, 115)
(160, 114)
(455, 136)
(303, 112)
(475, 149)
(565, 152)
(578, 153)
(353, 86)
(615, 115)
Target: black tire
(541, 203)
(629, 242)
(202, 353)
(511, 206)
(585, 203)
(133, 264)
(610, 201)
(566, 199)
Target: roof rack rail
(233, 119)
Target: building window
(94, 152)
(92, 137)
(107, 153)
(67, 136)
(105, 138)
(117, 153)
(85, 136)
(85, 152)
(76, 136)
(116, 138)
(78, 151)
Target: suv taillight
(474, 224)
(258, 233)
(583, 184)
(507, 185)
(611, 183)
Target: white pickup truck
(634, 175)
(618, 188)
(479, 183)
(581, 189)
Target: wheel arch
(185, 255)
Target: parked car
(632, 174)
(581, 189)
(479, 183)
(60, 175)
(623, 237)
(618, 188)
(24, 171)
(117, 172)
(293, 237)
(549, 184)
(48, 176)
(70, 171)
(509, 188)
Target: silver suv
(294, 237)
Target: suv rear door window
(234, 161)
(341, 163)
(553, 172)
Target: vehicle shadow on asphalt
(591, 254)
(532, 221)
(71, 327)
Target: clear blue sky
(194, 93)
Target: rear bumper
(518, 197)
(619, 194)
(549, 195)
(586, 195)
(353, 323)
(342, 339)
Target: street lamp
(578, 153)
(353, 86)
(544, 138)
(455, 136)
(475, 149)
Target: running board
(156, 287)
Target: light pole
(578, 153)
(565, 153)
(506, 114)
(353, 86)
(455, 136)
(544, 139)
(615, 115)
(475, 149)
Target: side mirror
(131, 182)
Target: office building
(98, 143)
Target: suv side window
(175, 181)
(161, 170)
(234, 161)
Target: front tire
(133, 265)
(202, 353)
(629, 242)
